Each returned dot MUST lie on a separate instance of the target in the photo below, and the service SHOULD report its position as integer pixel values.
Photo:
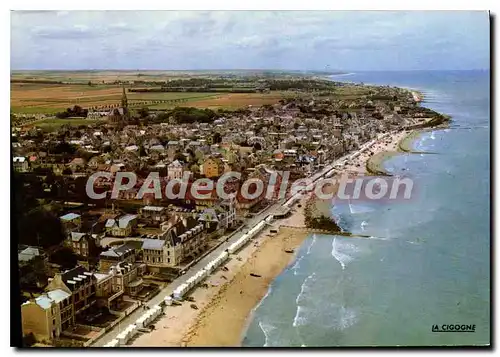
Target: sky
(288, 40)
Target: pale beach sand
(378, 150)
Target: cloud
(246, 39)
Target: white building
(175, 170)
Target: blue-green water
(429, 259)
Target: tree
(179, 157)
(84, 154)
(33, 274)
(194, 168)
(39, 227)
(143, 112)
(64, 257)
(217, 138)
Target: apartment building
(43, 316)
(81, 285)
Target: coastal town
(122, 271)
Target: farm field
(238, 100)
(103, 76)
(109, 76)
(31, 98)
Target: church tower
(124, 99)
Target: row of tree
(196, 90)
(76, 111)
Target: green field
(168, 95)
(37, 110)
(53, 124)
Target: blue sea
(428, 261)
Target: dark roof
(178, 229)
(119, 251)
(74, 277)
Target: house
(77, 164)
(175, 170)
(44, 316)
(125, 253)
(153, 214)
(210, 219)
(123, 226)
(28, 254)
(20, 164)
(104, 291)
(212, 167)
(229, 206)
(82, 243)
(71, 222)
(153, 252)
(126, 278)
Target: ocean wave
(346, 317)
(276, 334)
(357, 209)
(341, 251)
(379, 238)
(312, 243)
(296, 266)
(299, 319)
(330, 316)
(304, 287)
(266, 330)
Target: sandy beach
(224, 307)
(225, 318)
(381, 150)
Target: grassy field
(53, 124)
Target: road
(168, 290)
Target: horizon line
(243, 69)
